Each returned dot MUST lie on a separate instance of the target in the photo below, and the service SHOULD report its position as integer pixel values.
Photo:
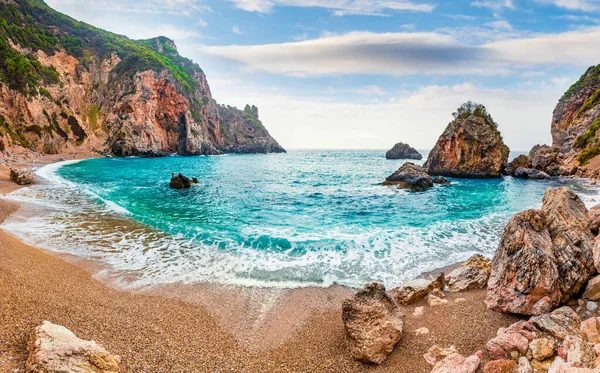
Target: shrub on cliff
(472, 108)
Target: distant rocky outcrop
(545, 256)
(373, 323)
(471, 146)
(21, 176)
(410, 176)
(80, 89)
(403, 151)
(181, 181)
(55, 349)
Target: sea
(305, 218)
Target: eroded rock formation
(403, 151)
(21, 176)
(410, 176)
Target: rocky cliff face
(67, 86)
(471, 146)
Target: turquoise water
(287, 220)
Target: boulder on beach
(414, 290)
(180, 181)
(530, 173)
(543, 156)
(55, 349)
(471, 146)
(410, 176)
(403, 151)
(594, 214)
(21, 176)
(472, 274)
(373, 323)
(545, 256)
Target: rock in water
(410, 176)
(21, 176)
(55, 349)
(472, 274)
(545, 256)
(180, 181)
(373, 323)
(530, 173)
(403, 151)
(471, 146)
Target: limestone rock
(473, 274)
(436, 353)
(180, 181)
(594, 215)
(470, 146)
(403, 151)
(457, 363)
(559, 324)
(373, 323)
(580, 352)
(590, 330)
(596, 252)
(418, 312)
(592, 291)
(421, 331)
(55, 349)
(21, 176)
(530, 173)
(542, 156)
(435, 301)
(416, 289)
(509, 340)
(410, 176)
(544, 256)
(524, 366)
(520, 161)
(542, 348)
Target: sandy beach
(209, 328)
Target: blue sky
(366, 74)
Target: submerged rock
(403, 151)
(180, 181)
(410, 176)
(471, 146)
(441, 180)
(373, 323)
(472, 274)
(545, 256)
(21, 176)
(55, 349)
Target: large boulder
(594, 215)
(373, 323)
(472, 274)
(410, 176)
(470, 146)
(543, 156)
(403, 151)
(180, 181)
(520, 161)
(21, 176)
(55, 349)
(545, 256)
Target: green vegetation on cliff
(33, 25)
(472, 108)
(591, 76)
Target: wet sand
(209, 328)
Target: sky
(365, 74)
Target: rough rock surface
(180, 181)
(543, 156)
(500, 366)
(592, 290)
(472, 274)
(55, 349)
(457, 363)
(544, 256)
(594, 214)
(414, 290)
(470, 147)
(121, 96)
(410, 176)
(373, 323)
(440, 180)
(21, 176)
(403, 151)
(530, 173)
(520, 161)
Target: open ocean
(305, 218)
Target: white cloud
(236, 30)
(414, 53)
(494, 4)
(176, 7)
(339, 7)
(581, 5)
(418, 117)
(500, 25)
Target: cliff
(68, 86)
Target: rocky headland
(403, 151)
(470, 146)
(68, 87)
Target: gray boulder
(410, 176)
(403, 151)
(530, 173)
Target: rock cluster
(21, 176)
(181, 181)
(55, 349)
(403, 151)
(373, 323)
(414, 177)
(470, 146)
(545, 256)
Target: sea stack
(403, 151)
(471, 146)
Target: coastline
(208, 327)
